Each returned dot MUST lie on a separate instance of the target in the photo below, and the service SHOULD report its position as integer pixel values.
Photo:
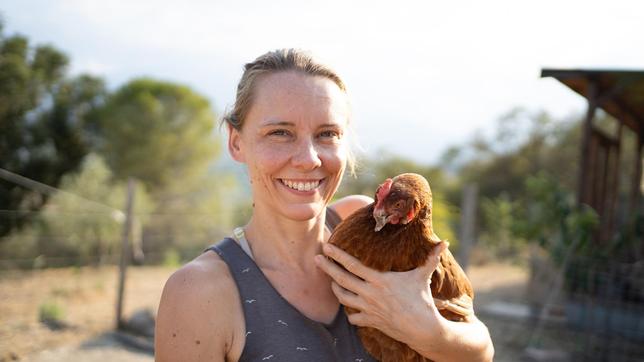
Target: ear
(411, 213)
(425, 213)
(234, 144)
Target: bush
(50, 311)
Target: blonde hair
(275, 61)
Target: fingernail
(327, 248)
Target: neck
(278, 243)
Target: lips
(299, 185)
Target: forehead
(298, 98)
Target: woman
(269, 294)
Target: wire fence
(595, 313)
(605, 305)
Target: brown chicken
(395, 233)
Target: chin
(303, 212)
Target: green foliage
(501, 215)
(162, 134)
(445, 220)
(157, 132)
(43, 122)
(518, 202)
(89, 229)
(524, 144)
(51, 311)
(552, 218)
(195, 214)
(82, 221)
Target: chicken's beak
(381, 219)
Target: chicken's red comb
(383, 191)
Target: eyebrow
(291, 124)
(277, 123)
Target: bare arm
(194, 322)
(461, 341)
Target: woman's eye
(330, 134)
(279, 132)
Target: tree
(157, 132)
(43, 118)
(162, 134)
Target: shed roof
(619, 92)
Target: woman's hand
(392, 302)
(400, 304)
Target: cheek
(265, 163)
(334, 159)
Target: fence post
(125, 250)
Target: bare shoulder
(349, 204)
(199, 316)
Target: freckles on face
(294, 140)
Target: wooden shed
(619, 93)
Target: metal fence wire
(604, 309)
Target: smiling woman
(263, 294)
(293, 144)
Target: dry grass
(88, 297)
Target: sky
(422, 75)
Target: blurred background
(526, 118)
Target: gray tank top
(277, 331)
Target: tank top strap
(332, 218)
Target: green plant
(501, 215)
(50, 311)
(552, 218)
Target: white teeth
(301, 186)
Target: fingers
(349, 262)
(464, 301)
(346, 297)
(461, 305)
(358, 319)
(342, 277)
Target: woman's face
(293, 142)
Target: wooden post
(635, 208)
(637, 177)
(468, 223)
(125, 251)
(614, 180)
(583, 182)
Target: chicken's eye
(399, 204)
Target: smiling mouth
(301, 185)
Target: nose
(306, 156)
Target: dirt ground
(88, 297)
